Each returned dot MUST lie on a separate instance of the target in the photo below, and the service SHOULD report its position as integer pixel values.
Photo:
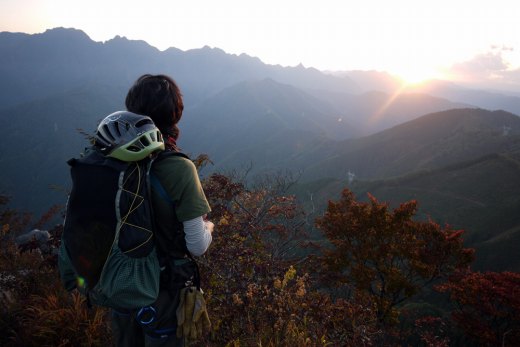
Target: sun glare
(414, 76)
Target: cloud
(489, 69)
(502, 48)
(482, 66)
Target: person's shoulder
(173, 157)
(174, 161)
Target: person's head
(158, 97)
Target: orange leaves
(251, 235)
(5, 229)
(68, 321)
(36, 310)
(386, 254)
(254, 293)
(283, 207)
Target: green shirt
(179, 178)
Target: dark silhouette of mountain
(40, 136)
(240, 111)
(374, 111)
(39, 65)
(263, 122)
(370, 81)
(481, 98)
(500, 252)
(431, 141)
(479, 196)
(247, 117)
(462, 166)
(464, 94)
(42, 75)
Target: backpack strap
(157, 185)
(165, 154)
(154, 181)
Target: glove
(183, 320)
(192, 317)
(200, 314)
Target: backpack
(108, 248)
(108, 231)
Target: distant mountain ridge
(479, 196)
(352, 130)
(65, 58)
(373, 111)
(249, 115)
(434, 140)
(462, 166)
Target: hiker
(181, 228)
(135, 218)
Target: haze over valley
(454, 148)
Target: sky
(464, 40)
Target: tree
(386, 255)
(256, 285)
(487, 306)
(248, 250)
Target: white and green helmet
(128, 136)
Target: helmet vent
(142, 122)
(107, 132)
(133, 149)
(144, 141)
(116, 128)
(103, 139)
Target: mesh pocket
(126, 282)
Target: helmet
(128, 136)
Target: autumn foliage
(384, 254)
(487, 306)
(266, 285)
(35, 310)
(255, 274)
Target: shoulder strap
(156, 184)
(154, 181)
(166, 154)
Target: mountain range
(461, 165)
(454, 149)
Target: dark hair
(158, 97)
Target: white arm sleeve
(198, 238)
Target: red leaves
(386, 254)
(431, 331)
(488, 306)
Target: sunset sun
(416, 75)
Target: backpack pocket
(127, 282)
